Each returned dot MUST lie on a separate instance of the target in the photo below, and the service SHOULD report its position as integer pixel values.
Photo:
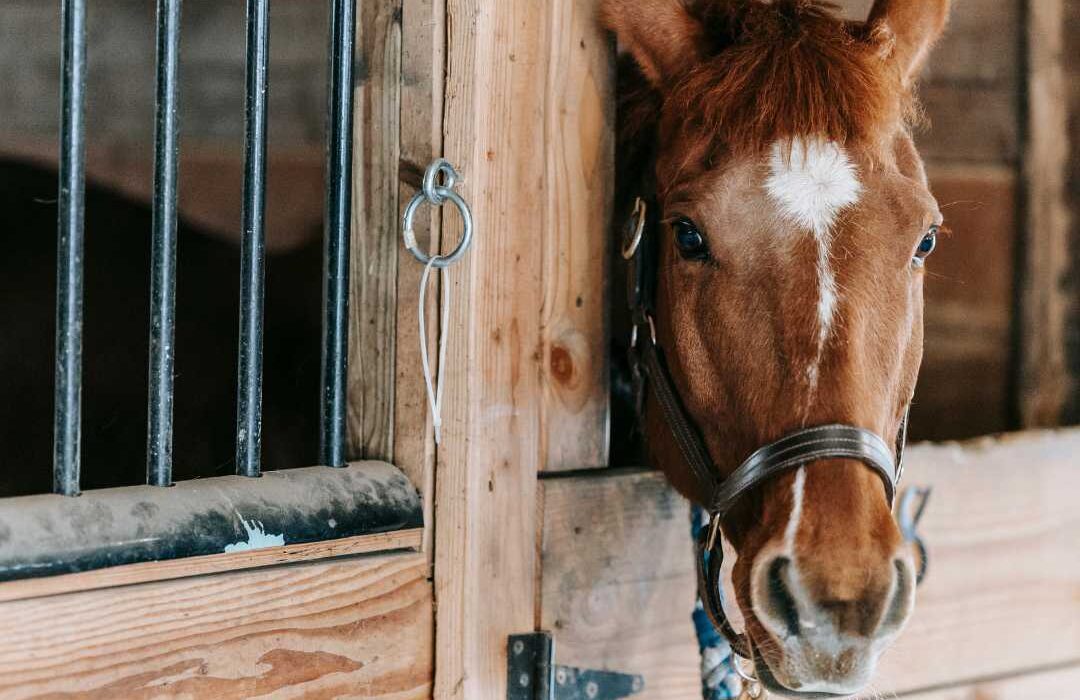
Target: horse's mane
(770, 71)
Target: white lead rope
(436, 195)
(434, 387)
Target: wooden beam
(580, 177)
(209, 564)
(1045, 382)
(375, 239)
(618, 583)
(359, 628)
(422, 73)
(488, 461)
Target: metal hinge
(533, 675)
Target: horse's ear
(911, 27)
(662, 35)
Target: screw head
(560, 676)
(519, 646)
(523, 680)
(591, 689)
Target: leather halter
(795, 450)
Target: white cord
(434, 388)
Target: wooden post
(375, 242)
(580, 162)
(1045, 382)
(487, 465)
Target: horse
(116, 342)
(770, 144)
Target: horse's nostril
(781, 602)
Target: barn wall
(120, 104)
(997, 616)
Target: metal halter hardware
(790, 452)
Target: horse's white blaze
(792, 529)
(811, 183)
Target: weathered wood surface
(209, 564)
(375, 239)
(1003, 532)
(970, 295)
(486, 474)
(355, 628)
(422, 72)
(1057, 684)
(1046, 383)
(580, 161)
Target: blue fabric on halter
(718, 678)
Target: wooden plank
(209, 564)
(488, 461)
(964, 385)
(618, 579)
(1003, 532)
(1045, 381)
(358, 628)
(422, 72)
(375, 240)
(580, 161)
(1057, 683)
(957, 133)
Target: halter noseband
(790, 452)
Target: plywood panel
(580, 162)
(356, 628)
(1003, 532)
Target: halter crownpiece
(795, 450)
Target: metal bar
(252, 259)
(163, 254)
(338, 215)
(69, 259)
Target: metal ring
(632, 242)
(431, 187)
(446, 194)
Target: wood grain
(580, 162)
(375, 240)
(422, 67)
(1057, 684)
(1000, 598)
(209, 564)
(357, 628)
(488, 461)
(1045, 381)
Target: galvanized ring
(443, 194)
(431, 185)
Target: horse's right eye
(689, 240)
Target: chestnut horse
(773, 140)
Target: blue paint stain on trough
(48, 535)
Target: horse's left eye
(926, 246)
(689, 240)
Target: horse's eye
(926, 246)
(689, 240)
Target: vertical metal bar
(252, 260)
(163, 254)
(338, 215)
(69, 260)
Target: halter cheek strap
(795, 450)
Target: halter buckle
(634, 230)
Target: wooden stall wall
(997, 618)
